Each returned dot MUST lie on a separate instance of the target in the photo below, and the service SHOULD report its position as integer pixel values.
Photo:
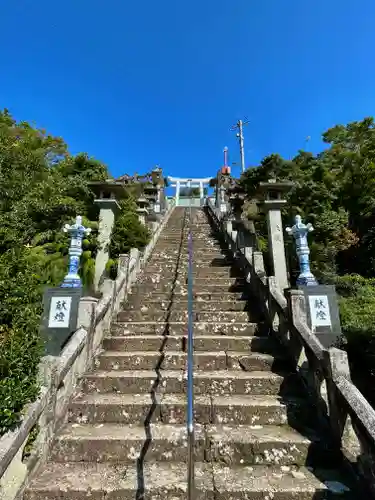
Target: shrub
(20, 345)
(357, 311)
(128, 232)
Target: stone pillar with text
(271, 206)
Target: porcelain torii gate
(179, 182)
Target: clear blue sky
(138, 83)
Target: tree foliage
(42, 187)
(335, 191)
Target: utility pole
(239, 126)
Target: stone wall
(59, 375)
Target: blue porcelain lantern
(299, 231)
(76, 233)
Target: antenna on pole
(239, 127)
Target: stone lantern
(236, 201)
(273, 193)
(158, 182)
(107, 193)
(142, 210)
(150, 192)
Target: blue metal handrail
(190, 370)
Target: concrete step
(239, 444)
(182, 272)
(148, 314)
(210, 296)
(178, 248)
(160, 343)
(280, 483)
(202, 262)
(167, 481)
(126, 443)
(174, 381)
(182, 305)
(171, 265)
(206, 258)
(180, 328)
(181, 287)
(156, 282)
(200, 240)
(174, 360)
(98, 407)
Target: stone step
(210, 296)
(97, 408)
(167, 481)
(239, 444)
(174, 360)
(182, 271)
(174, 381)
(181, 287)
(214, 260)
(200, 240)
(198, 283)
(180, 328)
(202, 262)
(146, 314)
(169, 343)
(182, 305)
(126, 443)
(202, 248)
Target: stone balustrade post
(248, 253)
(233, 242)
(123, 262)
(258, 264)
(87, 319)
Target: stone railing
(59, 375)
(341, 410)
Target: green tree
(335, 190)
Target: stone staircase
(125, 435)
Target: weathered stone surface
(275, 483)
(115, 408)
(180, 286)
(251, 445)
(174, 360)
(126, 433)
(136, 408)
(169, 381)
(180, 328)
(76, 481)
(168, 481)
(138, 360)
(126, 443)
(153, 342)
(182, 305)
(147, 314)
(211, 296)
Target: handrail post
(190, 368)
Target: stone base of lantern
(306, 280)
(71, 282)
